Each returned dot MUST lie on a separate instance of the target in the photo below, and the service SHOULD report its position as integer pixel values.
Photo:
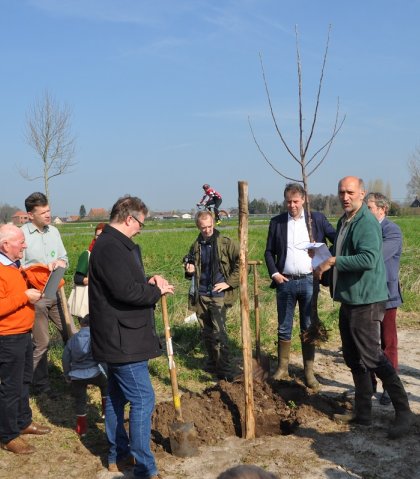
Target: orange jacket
(17, 314)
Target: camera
(188, 259)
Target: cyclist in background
(211, 197)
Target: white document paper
(321, 252)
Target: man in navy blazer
(291, 271)
(379, 205)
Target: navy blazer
(276, 248)
(392, 248)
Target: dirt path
(316, 448)
(320, 448)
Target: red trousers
(389, 339)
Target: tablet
(51, 286)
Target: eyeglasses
(138, 221)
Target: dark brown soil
(219, 412)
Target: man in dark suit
(291, 271)
(379, 205)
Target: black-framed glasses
(138, 221)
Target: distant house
(20, 218)
(57, 221)
(186, 216)
(97, 214)
(72, 218)
(415, 203)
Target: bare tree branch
(265, 157)
(273, 115)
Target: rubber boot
(282, 372)
(210, 366)
(403, 416)
(223, 363)
(308, 354)
(81, 426)
(103, 406)
(362, 413)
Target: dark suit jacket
(276, 248)
(392, 247)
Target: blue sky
(161, 91)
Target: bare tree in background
(413, 186)
(48, 132)
(308, 160)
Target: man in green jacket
(359, 284)
(213, 266)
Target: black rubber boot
(282, 372)
(308, 354)
(210, 366)
(362, 413)
(403, 416)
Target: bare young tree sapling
(308, 161)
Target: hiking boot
(401, 424)
(352, 418)
(122, 465)
(385, 400)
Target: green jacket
(228, 253)
(361, 276)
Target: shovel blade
(183, 439)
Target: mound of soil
(219, 412)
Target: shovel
(182, 435)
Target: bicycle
(223, 214)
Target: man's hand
(34, 295)
(219, 287)
(189, 268)
(55, 264)
(325, 266)
(279, 278)
(162, 284)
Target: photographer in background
(213, 265)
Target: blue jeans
(288, 294)
(130, 383)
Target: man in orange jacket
(16, 320)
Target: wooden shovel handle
(172, 367)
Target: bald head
(12, 242)
(351, 192)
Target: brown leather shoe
(35, 428)
(122, 465)
(18, 445)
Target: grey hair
(380, 200)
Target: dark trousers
(45, 310)
(360, 330)
(15, 378)
(211, 314)
(216, 202)
(79, 391)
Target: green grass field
(164, 243)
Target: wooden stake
(249, 430)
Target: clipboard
(51, 286)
